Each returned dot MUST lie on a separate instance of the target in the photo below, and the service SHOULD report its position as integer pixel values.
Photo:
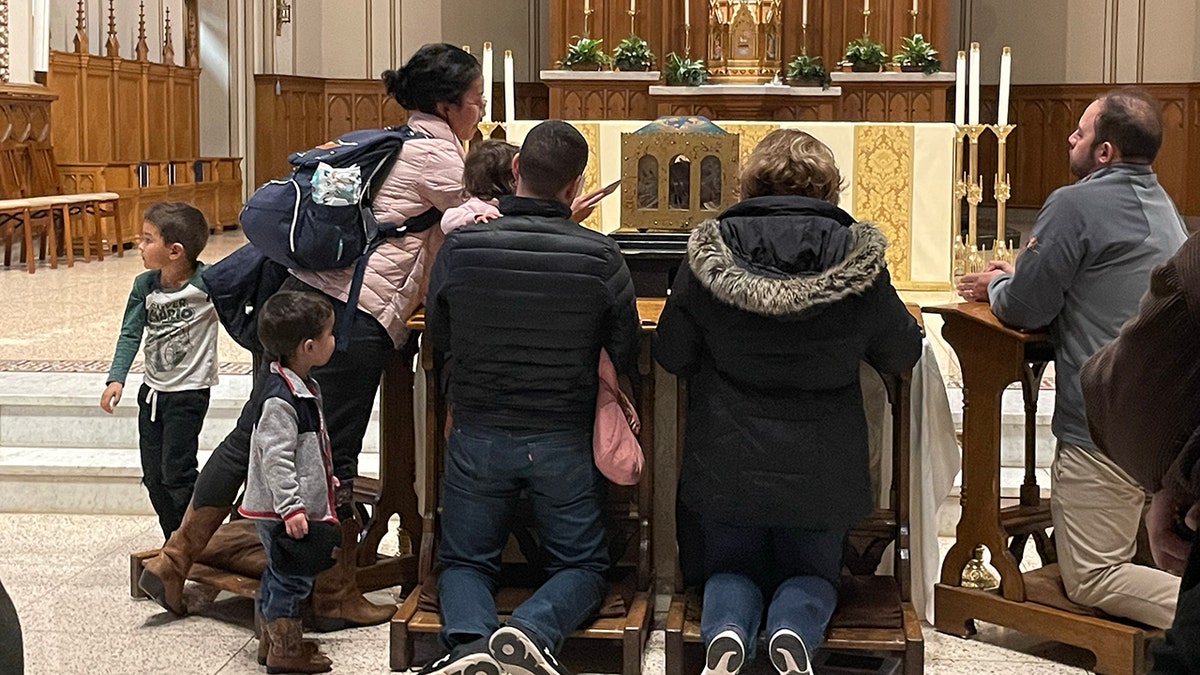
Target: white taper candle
(1005, 85)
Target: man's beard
(1085, 168)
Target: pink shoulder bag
(615, 446)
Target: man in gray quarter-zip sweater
(1082, 273)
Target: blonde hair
(791, 162)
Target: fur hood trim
(716, 268)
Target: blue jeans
(798, 569)
(279, 594)
(486, 469)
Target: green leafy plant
(916, 54)
(684, 72)
(632, 53)
(866, 55)
(805, 69)
(585, 54)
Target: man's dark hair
(288, 318)
(436, 73)
(1131, 120)
(180, 223)
(487, 171)
(553, 154)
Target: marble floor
(67, 319)
(68, 576)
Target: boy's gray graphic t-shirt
(180, 326)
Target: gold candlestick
(974, 183)
(587, 17)
(804, 39)
(866, 23)
(960, 180)
(687, 40)
(1003, 186)
(633, 22)
(914, 16)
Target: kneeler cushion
(616, 602)
(863, 602)
(236, 548)
(868, 601)
(1045, 587)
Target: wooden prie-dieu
(993, 356)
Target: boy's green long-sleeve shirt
(180, 325)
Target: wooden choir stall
(993, 356)
(130, 126)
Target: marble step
(86, 480)
(1012, 425)
(61, 411)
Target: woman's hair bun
(396, 83)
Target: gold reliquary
(743, 41)
(686, 172)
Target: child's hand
(297, 525)
(111, 396)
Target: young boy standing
(290, 483)
(170, 304)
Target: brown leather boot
(336, 601)
(287, 654)
(309, 647)
(163, 575)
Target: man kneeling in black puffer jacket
(523, 305)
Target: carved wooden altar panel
(751, 108)
(601, 101)
(863, 102)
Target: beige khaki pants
(1096, 508)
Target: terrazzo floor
(68, 576)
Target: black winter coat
(778, 302)
(523, 304)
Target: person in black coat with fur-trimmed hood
(778, 302)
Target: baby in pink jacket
(487, 176)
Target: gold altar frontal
(899, 176)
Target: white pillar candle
(510, 89)
(1005, 84)
(804, 13)
(973, 83)
(960, 89)
(487, 81)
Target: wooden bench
(33, 200)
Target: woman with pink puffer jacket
(442, 88)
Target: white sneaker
(725, 654)
(788, 653)
(518, 654)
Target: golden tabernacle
(686, 171)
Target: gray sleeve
(1033, 295)
(276, 437)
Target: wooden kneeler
(874, 612)
(628, 608)
(993, 356)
